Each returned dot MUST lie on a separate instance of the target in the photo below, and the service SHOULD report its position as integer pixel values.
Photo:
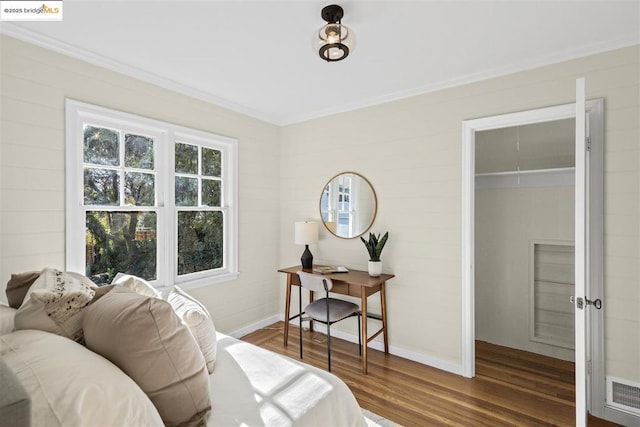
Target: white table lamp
(306, 233)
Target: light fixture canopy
(334, 41)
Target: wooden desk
(355, 283)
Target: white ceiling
(256, 57)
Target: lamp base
(307, 258)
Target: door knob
(597, 303)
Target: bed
(51, 380)
(256, 387)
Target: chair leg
(328, 328)
(359, 335)
(300, 317)
(329, 346)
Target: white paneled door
(581, 245)
(589, 360)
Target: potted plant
(374, 246)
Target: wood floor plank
(511, 387)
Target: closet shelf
(528, 172)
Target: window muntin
(338, 193)
(149, 198)
(200, 219)
(118, 172)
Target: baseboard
(396, 351)
(255, 326)
(619, 417)
(378, 345)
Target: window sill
(202, 282)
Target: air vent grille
(623, 394)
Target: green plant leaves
(375, 245)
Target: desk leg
(310, 301)
(287, 310)
(363, 308)
(383, 304)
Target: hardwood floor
(511, 387)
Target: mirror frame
(375, 204)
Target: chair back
(315, 282)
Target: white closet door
(581, 255)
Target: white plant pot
(375, 268)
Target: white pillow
(54, 303)
(196, 317)
(137, 284)
(70, 385)
(6, 318)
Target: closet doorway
(589, 242)
(524, 237)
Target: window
(149, 198)
(338, 193)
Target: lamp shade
(306, 233)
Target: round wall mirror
(348, 205)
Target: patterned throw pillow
(196, 317)
(54, 303)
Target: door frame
(595, 213)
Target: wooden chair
(325, 310)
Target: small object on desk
(326, 269)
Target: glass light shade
(334, 42)
(306, 233)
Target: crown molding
(40, 40)
(104, 62)
(538, 62)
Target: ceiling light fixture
(335, 40)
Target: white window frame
(345, 186)
(165, 136)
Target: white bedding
(251, 386)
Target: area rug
(374, 420)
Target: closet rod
(528, 172)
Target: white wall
(410, 150)
(507, 219)
(34, 83)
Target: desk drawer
(343, 288)
(346, 289)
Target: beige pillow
(70, 385)
(135, 283)
(18, 286)
(146, 339)
(54, 303)
(101, 291)
(199, 322)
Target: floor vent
(623, 394)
